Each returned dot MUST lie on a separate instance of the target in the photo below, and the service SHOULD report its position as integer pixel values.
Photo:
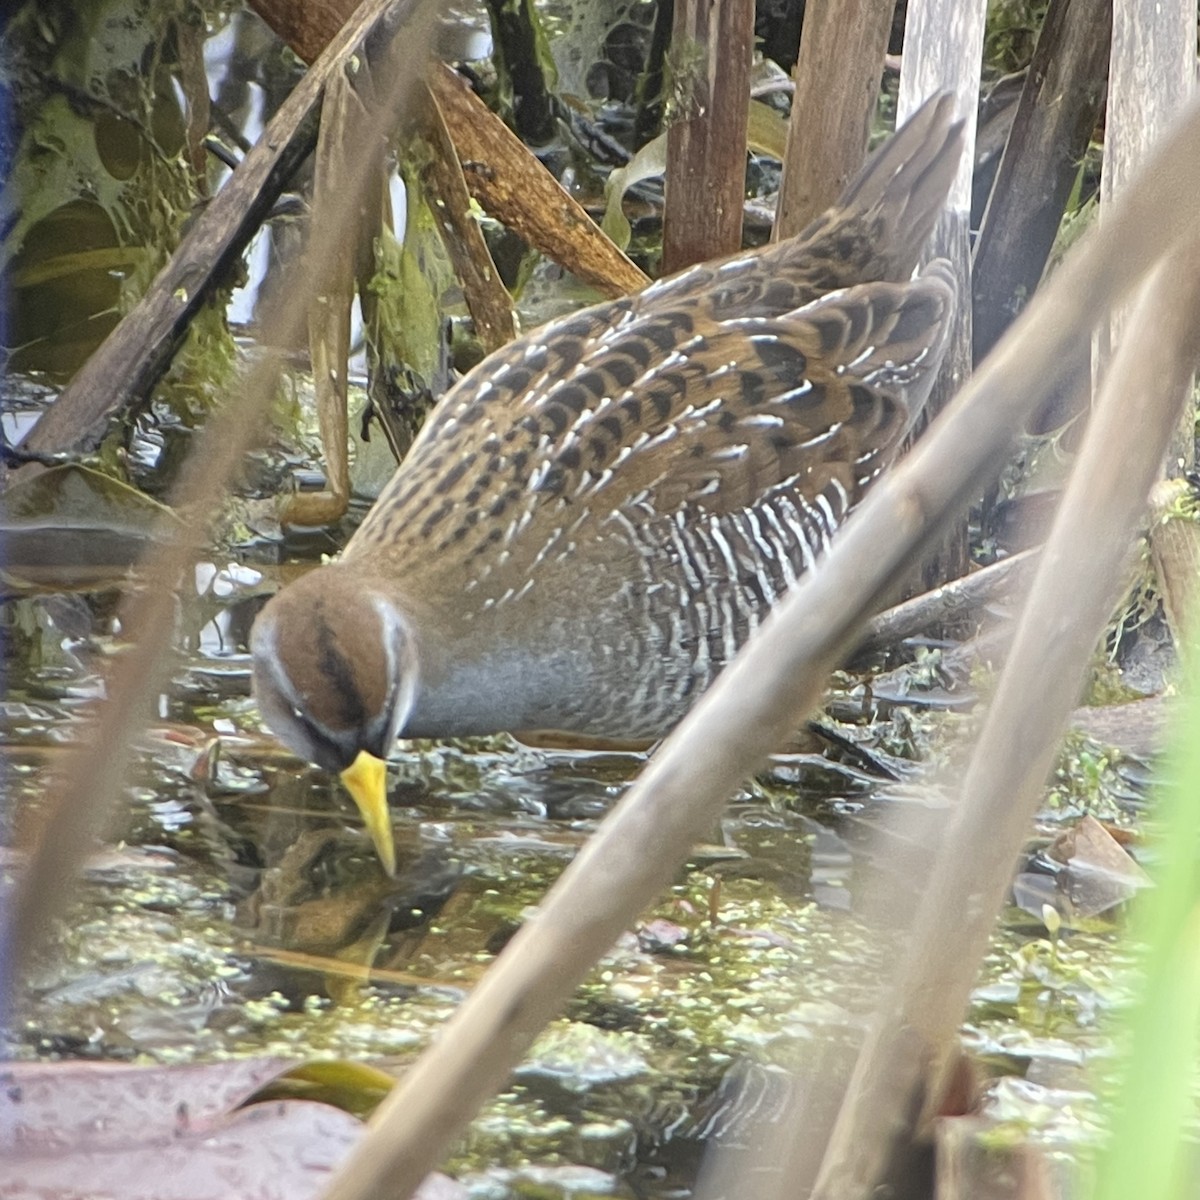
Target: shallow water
(239, 910)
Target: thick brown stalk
(507, 181)
(516, 53)
(706, 139)
(308, 26)
(948, 603)
(837, 86)
(487, 298)
(1057, 113)
(512, 186)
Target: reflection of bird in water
(321, 901)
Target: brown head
(335, 672)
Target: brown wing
(561, 408)
(751, 492)
(661, 408)
(806, 401)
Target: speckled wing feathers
(789, 371)
(805, 399)
(671, 410)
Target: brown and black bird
(594, 520)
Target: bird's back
(631, 487)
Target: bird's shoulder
(698, 392)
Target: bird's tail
(879, 225)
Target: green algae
(100, 186)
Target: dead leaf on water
(71, 528)
(167, 1133)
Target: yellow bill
(366, 780)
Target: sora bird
(594, 520)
